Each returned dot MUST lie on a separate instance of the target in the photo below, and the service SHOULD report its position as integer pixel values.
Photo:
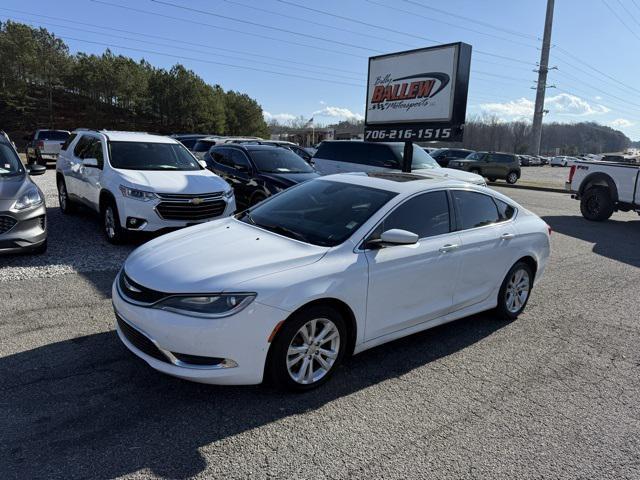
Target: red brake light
(572, 172)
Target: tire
(514, 292)
(492, 179)
(596, 204)
(475, 170)
(30, 160)
(66, 205)
(512, 177)
(290, 347)
(110, 220)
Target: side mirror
(36, 169)
(90, 162)
(396, 236)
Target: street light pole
(538, 113)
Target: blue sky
(321, 60)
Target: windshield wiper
(287, 232)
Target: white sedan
(328, 268)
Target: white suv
(138, 182)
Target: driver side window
(426, 215)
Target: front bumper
(239, 343)
(29, 231)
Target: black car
(189, 139)
(444, 155)
(257, 171)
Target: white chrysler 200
(325, 269)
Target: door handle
(507, 236)
(449, 247)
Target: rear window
(474, 209)
(203, 145)
(476, 156)
(361, 153)
(502, 158)
(53, 135)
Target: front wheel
(492, 179)
(66, 206)
(308, 349)
(596, 204)
(514, 292)
(512, 178)
(113, 232)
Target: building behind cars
(45, 146)
(258, 171)
(138, 182)
(444, 155)
(341, 156)
(492, 165)
(23, 213)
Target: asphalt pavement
(551, 395)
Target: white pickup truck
(45, 146)
(604, 187)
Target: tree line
(43, 85)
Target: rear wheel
(66, 205)
(308, 349)
(596, 204)
(113, 232)
(514, 292)
(492, 179)
(512, 178)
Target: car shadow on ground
(618, 240)
(87, 407)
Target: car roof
(397, 181)
(116, 136)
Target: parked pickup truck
(604, 187)
(45, 145)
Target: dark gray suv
(23, 214)
(492, 165)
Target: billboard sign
(418, 95)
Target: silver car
(23, 214)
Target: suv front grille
(177, 206)
(137, 292)
(6, 223)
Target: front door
(90, 176)
(411, 284)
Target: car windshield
(151, 156)
(319, 212)
(10, 164)
(421, 159)
(279, 160)
(53, 135)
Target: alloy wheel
(517, 290)
(109, 222)
(512, 178)
(313, 351)
(62, 196)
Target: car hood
(216, 256)
(193, 181)
(289, 179)
(11, 187)
(453, 174)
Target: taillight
(40, 144)
(572, 172)
(549, 229)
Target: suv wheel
(308, 349)
(113, 232)
(66, 205)
(514, 292)
(596, 204)
(476, 171)
(512, 178)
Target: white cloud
(279, 117)
(621, 123)
(322, 102)
(561, 104)
(338, 112)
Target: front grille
(187, 197)
(190, 211)
(140, 341)
(137, 292)
(6, 223)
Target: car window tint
(505, 211)
(239, 159)
(476, 156)
(53, 135)
(94, 150)
(68, 141)
(501, 158)
(474, 209)
(82, 144)
(426, 215)
(221, 156)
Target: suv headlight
(228, 194)
(137, 194)
(30, 199)
(207, 306)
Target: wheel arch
(531, 262)
(599, 179)
(105, 195)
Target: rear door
(487, 247)
(91, 176)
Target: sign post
(418, 95)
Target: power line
(629, 12)
(472, 20)
(218, 28)
(353, 20)
(620, 19)
(582, 94)
(261, 25)
(603, 92)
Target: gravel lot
(552, 395)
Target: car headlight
(30, 199)
(137, 194)
(228, 194)
(207, 306)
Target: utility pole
(536, 131)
